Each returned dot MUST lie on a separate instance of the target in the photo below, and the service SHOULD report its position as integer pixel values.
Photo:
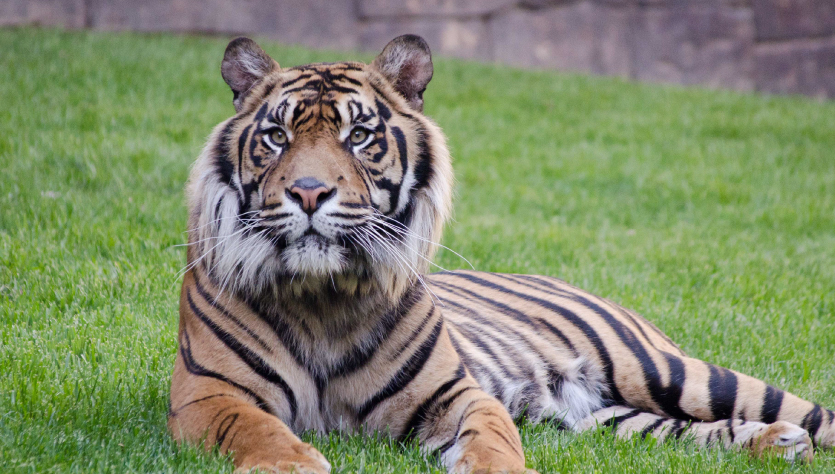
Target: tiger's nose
(310, 194)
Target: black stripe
(418, 417)
(812, 421)
(389, 101)
(222, 153)
(722, 386)
(576, 321)
(405, 375)
(628, 316)
(423, 169)
(241, 143)
(262, 112)
(196, 369)
(275, 217)
(652, 427)
(363, 353)
(223, 428)
(491, 355)
(640, 322)
(217, 211)
(475, 367)
(413, 336)
(295, 80)
(382, 109)
(730, 425)
(393, 190)
(678, 428)
(710, 435)
(772, 403)
(213, 302)
(442, 406)
(268, 89)
(494, 428)
(555, 377)
(616, 420)
(208, 397)
(270, 207)
(402, 149)
(344, 215)
(256, 363)
(445, 447)
(348, 79)
(562, 337)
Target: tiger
(308, 305)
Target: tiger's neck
(325, 328)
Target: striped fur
(318, 313)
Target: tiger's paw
(785, 439)
(471, 465)
(301, 458)
(489, 471)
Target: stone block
(586, 37)
(316, 23)
(789, 19)
(460, 38)
(710, 44)
(404, 9)
(540, 4)
(66, 13)
(796, 68)
(679, 3)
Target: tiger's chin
(315, 256)
(318, 267)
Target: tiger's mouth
(314, 254)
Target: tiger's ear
(244, 64)
(407, 63)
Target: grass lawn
(711, 213)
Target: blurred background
(773, 46)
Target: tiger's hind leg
(694, 389)
(781, 438)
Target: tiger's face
(328, 175)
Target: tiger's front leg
(470, 430)
(475, 434)
(213, 412)
(212, 403)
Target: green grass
(712, 213)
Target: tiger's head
(327, 179)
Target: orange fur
(307, 304)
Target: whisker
(191, 265)
(221, 218)
(419, 254)
(399, 256)
(396, 225)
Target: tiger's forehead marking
(320, 95)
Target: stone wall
(775, 46)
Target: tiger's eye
(278, 136)
(358, 135)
